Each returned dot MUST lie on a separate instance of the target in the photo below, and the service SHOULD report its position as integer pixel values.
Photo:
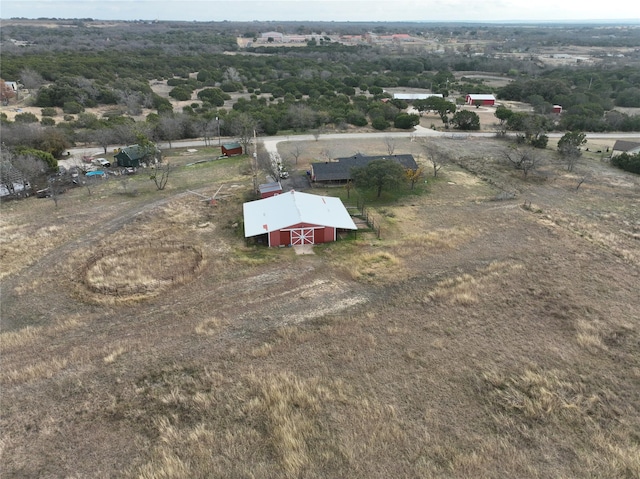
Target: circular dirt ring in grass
(140, 272)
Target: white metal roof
(415, 96)
(288, 209)
(481, 96)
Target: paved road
(271, 142)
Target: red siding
(285, 238)
(231, 151)
(268, 194)
(274, 238)
(321, 234)
(324, 235)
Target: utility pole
(255, 162)
(218, 122)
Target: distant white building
(275, 37)
(415, 96)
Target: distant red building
(480, 99)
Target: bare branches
(161, 175)
(524, 159)
(390, 143)
(436, 156)
(296, 151)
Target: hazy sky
(326, 10)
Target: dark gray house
(625, 146)
(130, 156)
(339, 170)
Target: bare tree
(327, 154)
(297, 151)
(206, 128)
(161, 175)
(124, 134)
(524, 159)
(32, 80)
(582, 179)
(132, 100)
(56, 187)
(170, 127)
(436, 155)
(103, 137)
(267, 163)
(390, 143)
(92, 182)
(301, 117)
(243, 126)
(34, 170)
(317, 132)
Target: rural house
(480, 99)
(296, 218)
(339, 170)
(231, 149)
(625, 146)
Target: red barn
(480, 99)
(296, 218)
(557, 109)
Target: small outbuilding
(231, 149)
(270, 189)
(557, 109)
(480, 99)
(130, 156)
(296, 218)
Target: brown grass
(475, 338)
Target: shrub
(26, 118)
(379, 123)
(181, 93)
(49, 111)
(47, 121)
(627, 162)
(72, 107)
(406, 121)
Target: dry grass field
(477, 338)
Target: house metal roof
(133, 152)
(625, 145)
(340, 169)
(288, 209)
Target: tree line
(275, 90)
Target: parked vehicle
(102, 162)
(96, 173)
(44, 193)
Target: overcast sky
(327, 10)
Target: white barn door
(302, 236)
